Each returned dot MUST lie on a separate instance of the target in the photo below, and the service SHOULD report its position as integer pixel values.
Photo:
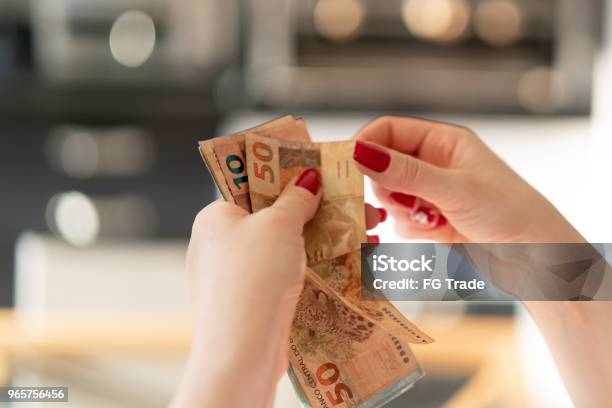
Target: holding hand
(247, 273)
(442, 183)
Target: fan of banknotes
(343, 351)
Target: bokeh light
(539, 90)
(442, 21)
(74, 217)
(78, 154)
(499, 23)
(132, 38)
(339, 20)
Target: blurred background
(102, 103)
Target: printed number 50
(326, 378)
(264, 153)
(260, 172)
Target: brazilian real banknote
(343, 351)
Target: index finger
(404, 134)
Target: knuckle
(385, 118)
(383, 122)
(201, 219)
(410, 170)
(469, 182)
(467, 133)
(206, 217)
(202, 225)
(278, 215)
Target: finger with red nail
(374, 216)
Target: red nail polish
(430, 215)
(442, 221)
(372, 157)
(383, 214)
(429, 212)
(404, 199)
(374, 239)
(310, 180)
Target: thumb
(300, 199)
(404, 173)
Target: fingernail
(428, 216)
(374, 239)
(371, 157)
(429, 213)
(422, 216)
(442, 221)
(404, 199)
(310, 180)
(383, 214)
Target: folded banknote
(343, 351)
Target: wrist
(240, 372)
(220, 360)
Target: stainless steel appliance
(499, 56)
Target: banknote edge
(226, 194)
(387, 395)
(297, 387)
(394, 390)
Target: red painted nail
(374, 239)
(429, 212)
(431, 215)
(404, 199)
(383, 214)
(310, 180)
(442, 221)
(372, 157)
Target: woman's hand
(247, 273)
(441, 182)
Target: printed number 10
(236, 166)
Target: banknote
(339, 225)
(334, 236)
(343, 275)
(335, 334)
(344, 351)
(339, 357)
(225, 156)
